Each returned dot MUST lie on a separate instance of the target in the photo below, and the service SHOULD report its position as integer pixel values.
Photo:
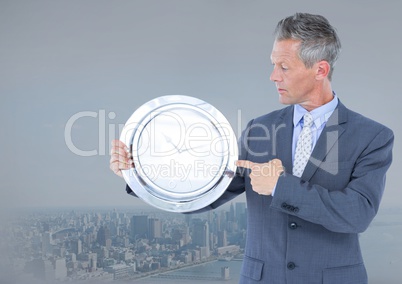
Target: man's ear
(322, 70)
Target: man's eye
(284, 68)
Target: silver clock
(184, 151)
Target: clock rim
(143, 189)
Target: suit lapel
(283, 139)
(327, 141)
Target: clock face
(183, 150)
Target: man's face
(295, 83)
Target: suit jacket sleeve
(339, 208)
(237, 186)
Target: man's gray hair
(319, 40)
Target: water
(208, 272)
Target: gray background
(60, 58)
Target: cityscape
(119, 244)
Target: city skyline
(116, 244)
(17, 243)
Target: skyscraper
(103, 235)
(139, 227)
(154, 228)
(47, 247)
(76, 246)
(240, 209)
(241, 215)
(201, 234)
(93, 258)
(231, 213)
(222, 239)
(60, 269)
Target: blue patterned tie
(304, 146)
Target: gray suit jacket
(308, 232)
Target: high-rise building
(181, 235)
(188, 218)
(241, 215)
(139, 227)
(240, 209)
(48, 271)
(93, 258)
(76, 246)
(222, 221)
(204, 252)
(60, 269)
(126, 242)
(47, 243)
(201, 234)
(225, 273)
(113, 227)
(231, 213)
(103, 235)
(222, 239)
(213, 241)
(154, 228)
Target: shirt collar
(320, 114)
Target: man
(313, 172)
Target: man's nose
(275, 77)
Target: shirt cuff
(273, 190)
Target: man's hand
(120, 158)
(263, 176)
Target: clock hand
(168, 140)
(200, 146)
(188, 149)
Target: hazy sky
(104, 59)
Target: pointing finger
(244, 164)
